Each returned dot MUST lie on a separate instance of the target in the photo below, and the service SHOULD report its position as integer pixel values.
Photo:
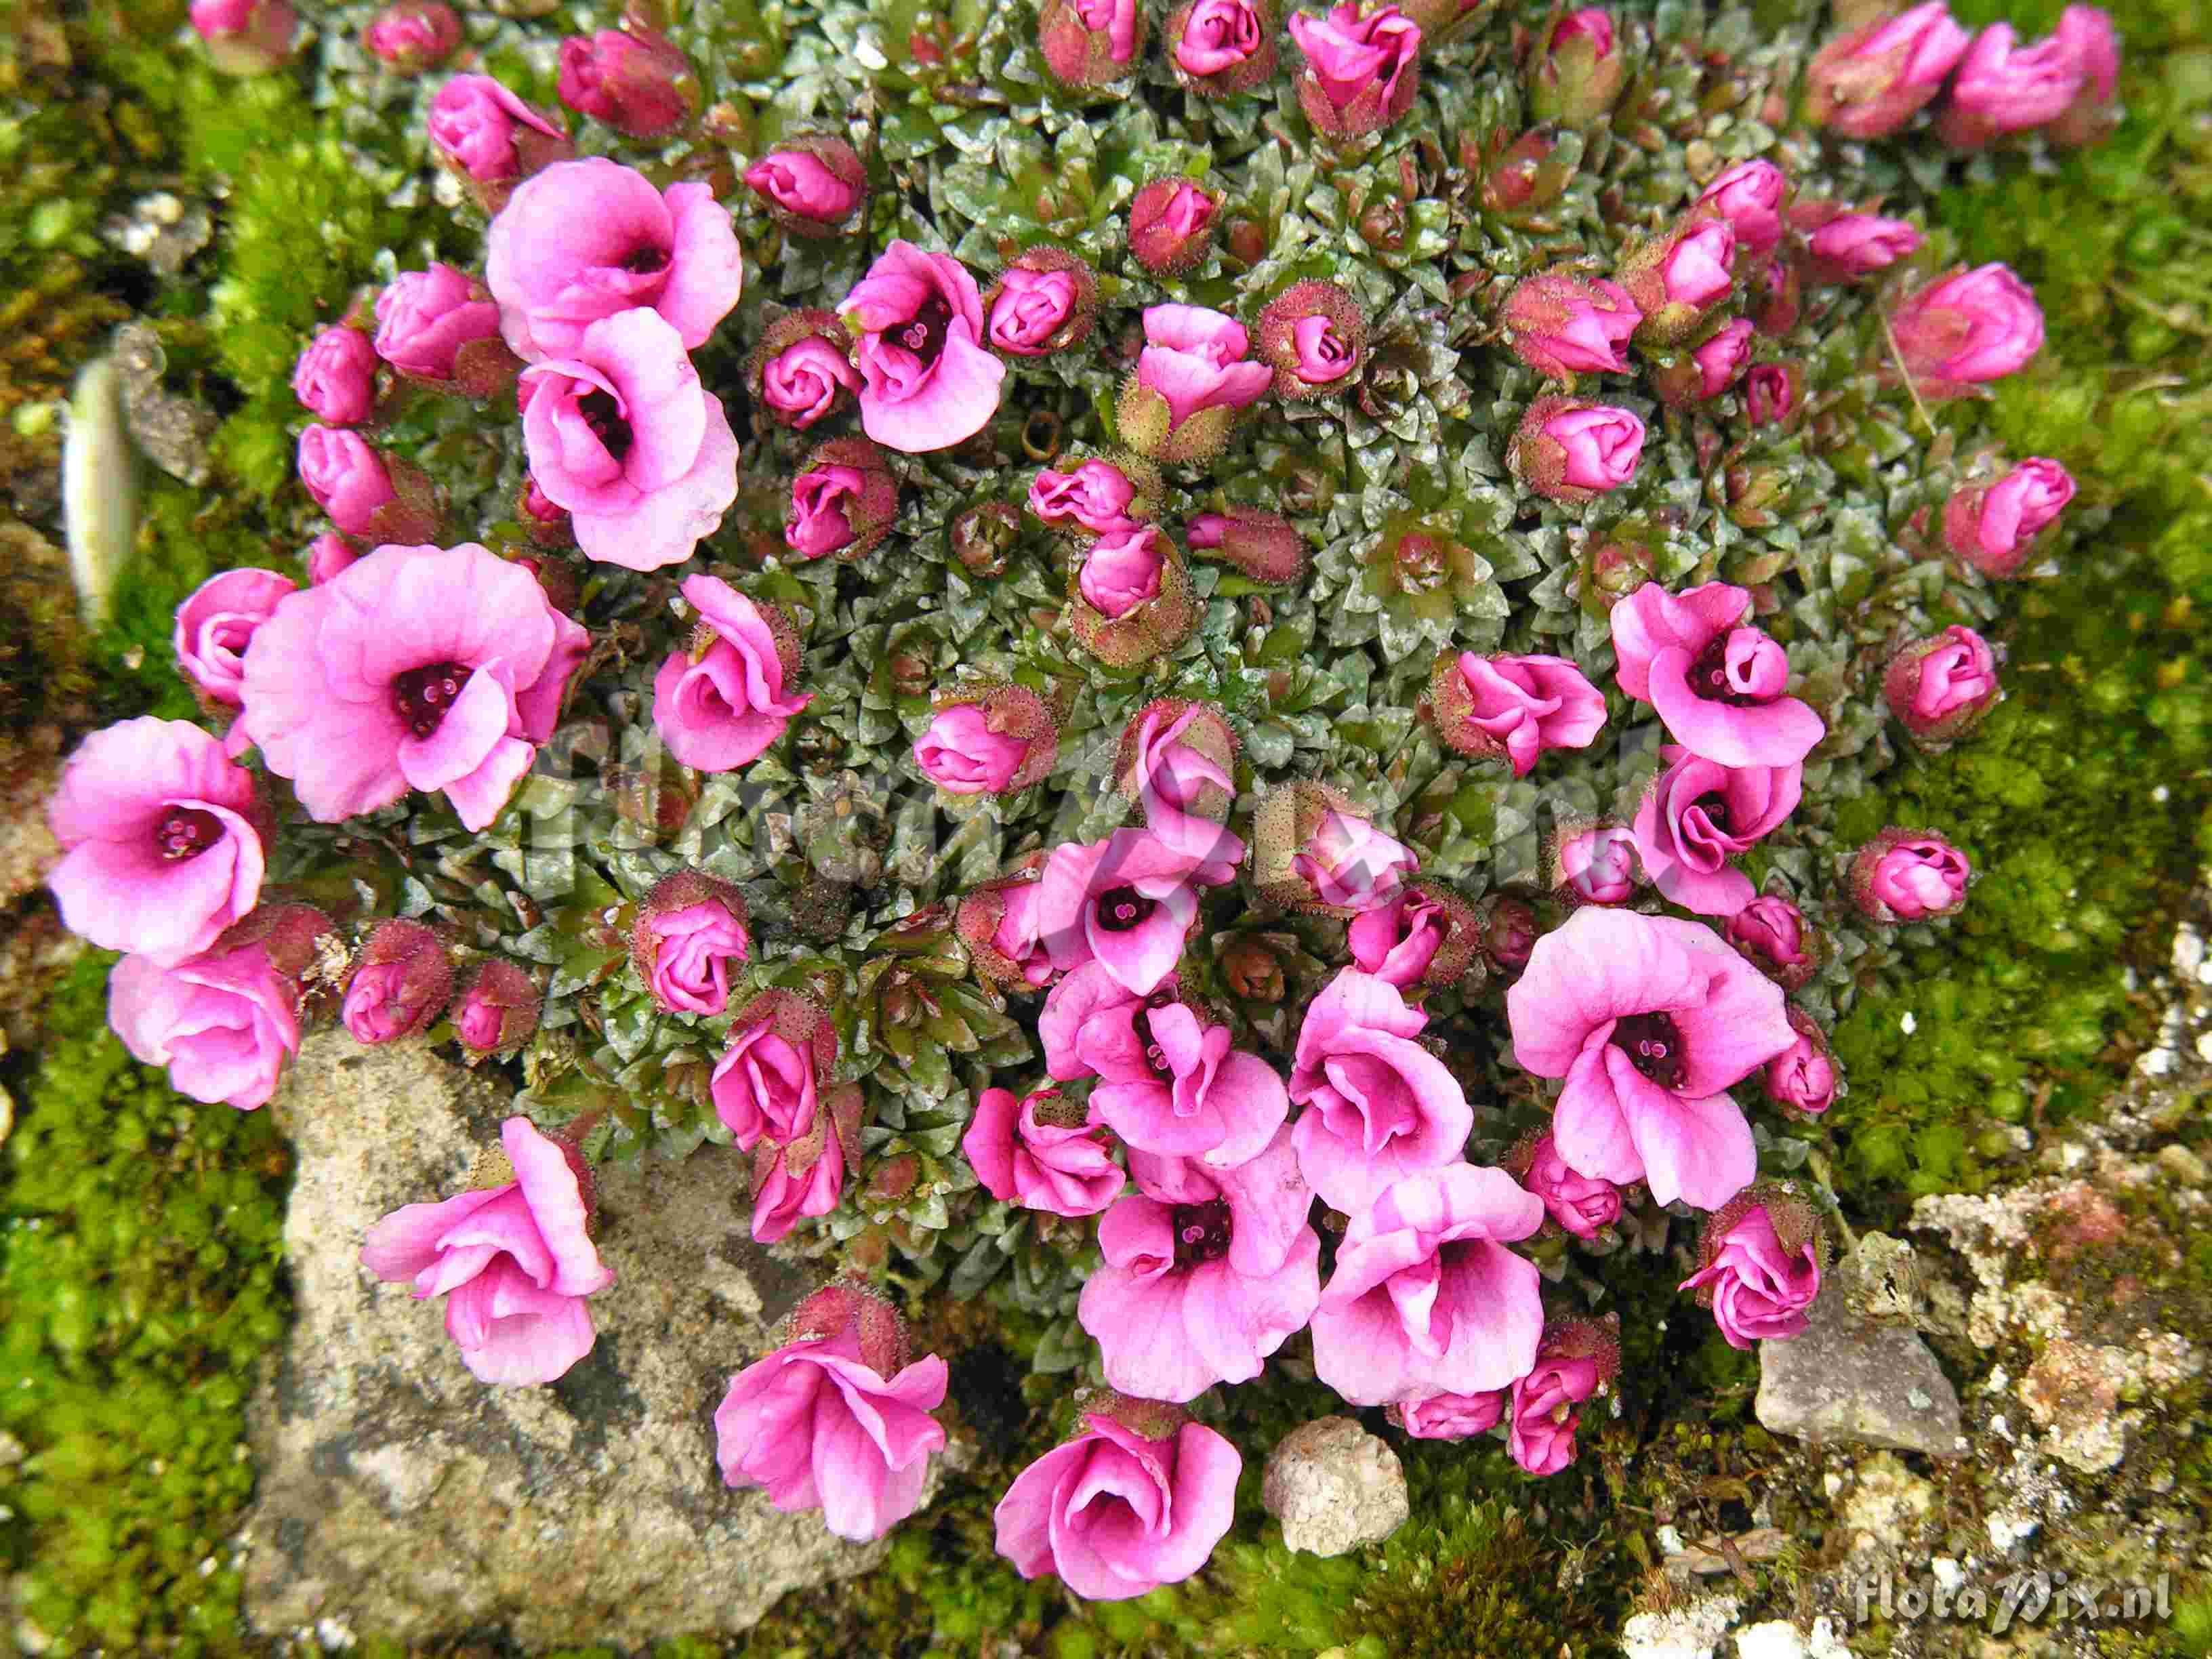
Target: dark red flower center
(925, 335)
(1121, 908)
(1201, 1232)
(604, 417)
(645, 260)
(421, 695)
(1710, 677)
(186, 832)
(1653, 1043)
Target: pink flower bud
(1859, 244)
(1940, 689)
(687, 932)
(329, 554)
(1045, 302)
(1131, 597)
(1097, 497)
(362, 490)
(801, 368)
(1192, 378)
(544, 520)
(1597, 864)
(1995, 526)
(2088, 34)
(989, 740)
(1584, 1205)
(216, 623)
(414, 35)
(1090, 43)
(484, 131)
(1749, 196)
(335, 380)
(1314, 334)
(1316, 852)
(1677, 278)
(1908, 875)
(1575, 1361)
(1264, 546)
(999, 924)
(1448, 1416)
(639, 82)
(498, 1010)
(1771, 391)
(402, 983)
(1721, 359)
(1760, 1265)
(1509, 932)
(1973, 326)
(1802, 1077)
(1222, 47)
(1122, 570)
(843, 501)
(1425, 935)
(1513, 708)
(1572, 451)
(440, 327)
(1362, 67)
(2004, 87)
(245, 37)
(1581, 70)
(815, 183)
(1171, 226)
(1869, 83)
(1773, 935)
(1562, 325)
(805, 1176)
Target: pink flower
(1425, 1298)
(1045, 302)
(805, 374)
(1721, 360)
(1584, 1205)
(1718, 685)
(1351, 866)
(805, 185)
(928, 382)
(429, 323)
(1315, 334)
(1171, 226)
(2089, 35)
(497, 1011)
(1771, 934)
(1118, 1511)
(1859, 244)
(329, 554)
(1904, 875)
(414, 35)
(622, 435)
(1124, 903)
(842, 500)
(1095, 496)
(636, 81)
(356, 487)
(1869, 83)
(415, 668)
(584, 241)
(1971, 326)
(771, 1079)
(1397, 942)
(1940, 687)
(1758, 1288)
(689, 930)
(245, 37)
(477, 125)
(1449, 1416)
(1750, 197)
(514, 1261)
(1208, 1270)
(1515, 708)
(161, 840)
(223, 1022)
(805, 1176)
(719, 704)
(1649, 1019)
(1266, 546)
(1677, 278)
(1089, 1024)
(1090, 43)
(1572, 451)
(1121, 569)
(335, 380)
(999, 924)
(962, 755)
(1562, 325)
(1223, 46)
(1178, 761)
(1599, 865)
(1698, 814)
(1770, 393)
(1380, 1107)
(836, 1421)
(217, 623)
(1581, 70)
(1042, 1154)
(2003, 87)
(1539, 1433)
(1173, 1086)
(402, 984)
(1802, 1076)
(1141, 580)
(1192, 364)
(1362, 67)
(1993, 526)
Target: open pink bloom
(1804, 1075)
(1939, 687)
(1125, 903)
(1171, 225)
(693, 949)
(622, 435)
(414, 668)
(820, 1427)
(962, 755)
(1869, 83)
(474, 122)
(1380, 1107)
(584, 240)
(1425, 1298)
(1061, 1162)
(1540, 1432)
(1208, 1270)
(1186, 786)
(1698, 814)
(1584, 1205)
(1351, 864)
(1362, 67)
(1901, 876)
(1718, 685)
(425, 317)
(801, 383)
(1117, 1513)
(638, 83)
(1649, 1019)
(800, 184)
(1095, 496)
(1032, 307)
(1723, 358)
(335, 378)
(1449, 1416)
(1397, 941)
(1759, 1290)
(720, 709)
(1750, 197)
(1226, 45)
(515, 1263)
(1562, 325)
(1973, 326)
(1195, 360)
(1089, 1023)
(1993, 526)
(1517, 706)
(768, 1083)
(2002, 87)
(1175, 1087)
(217, 623)
(1859, 244)
(1772, 934)
(223, 1022)
(1121, 569)
(927, 380)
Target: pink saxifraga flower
(992, 739)
(928, 381)
(413, 35)
(1045, 301)
(1698, 814)
(1597, 864)
(1908, 875)
(720, 703)
(1223, 47)
(1562, 325)
(1968, 328)
(1350, 865)
(335, 378)
(1042, 1154)
(1175, 1087)
(1426, 936)
(1719, 685)
(1097, 497)
(804, 1177)
(1760, 1283)
(1584, 1205)
(690, 930)
(800, 369)
(816, 183)
(1749, 196)
(491, 137)
(1171, 226)
(1192, 376)
(1569, 450)
(2002, 87)
(1449, 1416)
(1939, 688)
(439, 326)
(1362, 67)
(1995, 525)
(1314, 334)
(1679, 277)
(1575, 1362)
(366, 494)
(216, 623)
(401, 984)
(1854, 245)
(223, 1022)
(497, 1010)
(1580, 71)
(1870, 82)
(1772, 934)
(1513, 708)
(1090, 43)
(1125, 903)
(1802, 1077)
(770, 1080)
(636, 80)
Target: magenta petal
(1490, 1298)
(406, 1241)
(555, 1198)
(1700, 1151)
(1022, 1517)
(1588, 1126)
(1137, 1322)
(513, 1334)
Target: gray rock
(1847, 1378)
(400, 1498)
(1334, 1486)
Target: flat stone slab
(399, 1496)
(1849, 1379)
